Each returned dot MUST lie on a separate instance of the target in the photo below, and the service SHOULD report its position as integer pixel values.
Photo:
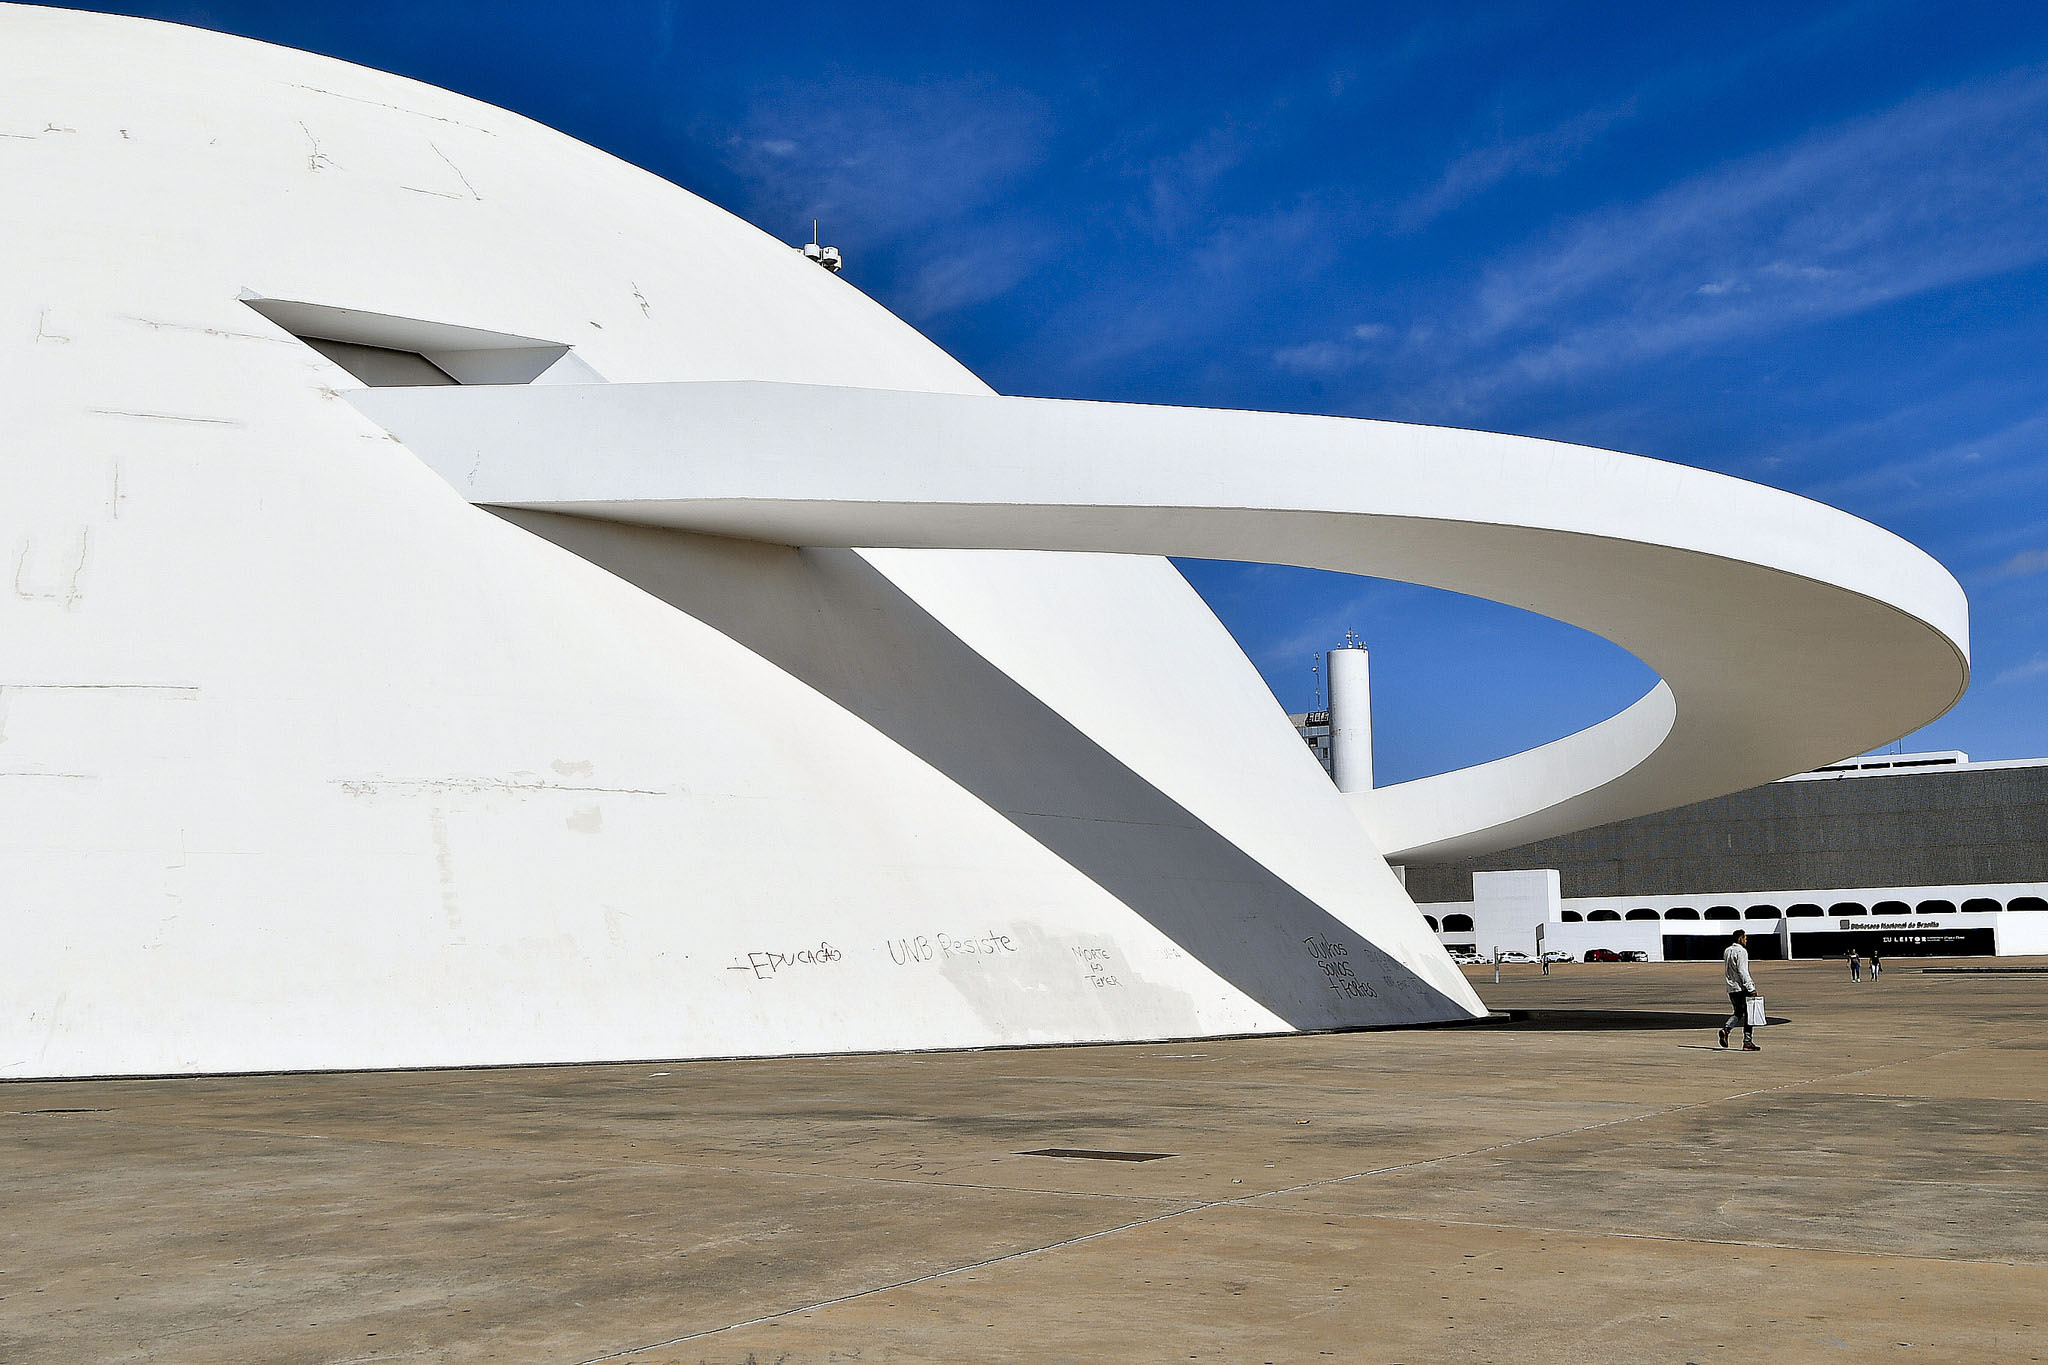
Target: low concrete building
(1912, 854)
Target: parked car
(1516, 957)
(1465, 959)
(1634, 955)
(1602, 955)
(1555, 955)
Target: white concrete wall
(2022, 935)
(1621, 937)
(1507, 909)
(306, 762)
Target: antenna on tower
(827, 256)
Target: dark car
(1602, 955)
(1634, 955)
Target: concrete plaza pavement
(1591, 1181)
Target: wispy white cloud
(1219, 276)
(984, 264)
(1309, 637)
(1243, 248)
(1545, 152)
(1318, 358)
(1180, 185)
(2025, 564)
(2036, 667)
(1334, 357)
(1900, 426)
(1994, 465)
(1182, 179)
(877, 159)
(1946, 187)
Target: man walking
(1741, 986)
(1855, 966)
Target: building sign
(1903, 940)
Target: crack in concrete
(99, 687)
(475, 786)
(166, 416)
(156, 325)
(70, 593)
(316, 160)
(458, 173)
(380, 104)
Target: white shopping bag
(1755, 1004)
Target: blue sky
(1806, 246)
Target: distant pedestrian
(1875, 965)
(1855, 965)
(1741, 986)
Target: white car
(1555, 956)
(1465, 959)
(1516, 957)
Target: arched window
(1891, 908)
(1936, 908)
(1803, 912)
(1845, 908)
(1434, 927)
(1642, 912)
(1762, 912)
(1457, 924)
(1603, 915)
(1681, 912)
(1722, 912)
(2026, 903)
(1569, 917)
(1980, 905)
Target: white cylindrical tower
(1350, 719)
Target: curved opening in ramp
(1441, 699)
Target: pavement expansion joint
(906, 1283)
(1246, 1202)
(1599, 1234)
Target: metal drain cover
(1088, 1154)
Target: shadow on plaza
(1603, 1021)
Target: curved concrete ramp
(1788, 633)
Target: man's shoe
(1751, 1047)
(1724, 1037)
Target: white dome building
(308, 762)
